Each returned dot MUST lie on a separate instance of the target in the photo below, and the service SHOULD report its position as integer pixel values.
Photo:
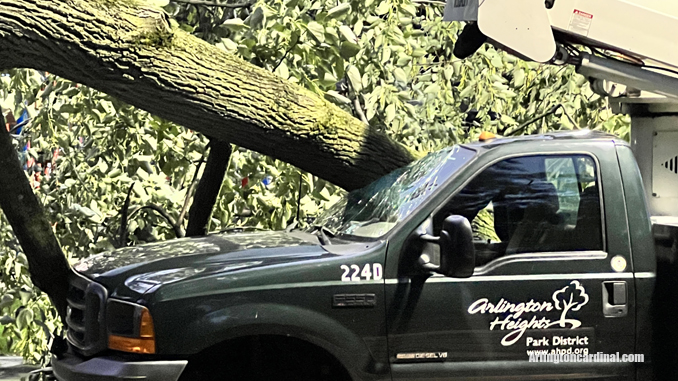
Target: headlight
(130, 327)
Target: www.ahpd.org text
(578, 357)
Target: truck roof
(583, 135)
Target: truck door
(549, 279)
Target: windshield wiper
(321, 232)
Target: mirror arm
(429, 238)
(430, 267)
(427, 265)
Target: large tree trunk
(136, 55)
(47, 263)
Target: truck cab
(464, 265)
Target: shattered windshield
(374, 210)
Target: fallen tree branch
(134, 54)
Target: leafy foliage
(388, 62)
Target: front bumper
(72, 368)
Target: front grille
(85, 315)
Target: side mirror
(457, 253)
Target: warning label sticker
(580, 22)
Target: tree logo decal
(570, 298)
(517, 318)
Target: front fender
(276, 319)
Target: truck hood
(212, 253)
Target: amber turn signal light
(140, 338)
(146, 330)
(485, 135)
(131, 344)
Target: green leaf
(355, 78)
(25, 295)
(358, 27)
(470, 88)
(235, 24)
(334, 96)
(25, 318)
(349, 50)
(508, 120)
(456, 65)
(418, 52)
(257, 18)
(433, 88)
(519, 78)
(383, 8)
(390, 113)
(403, 60)
(339, 11)
(6, 300)
(83, 210)
(328, 79)
(6, 319)
(400, 75)
(282, 71)
(316, 30)
(348, 34)
(497, 61)
(448, 72)
(410, 9)
(385, 54)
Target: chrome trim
(527, 277)
(645, 275)
(92, 307)
(538, 257)
(283, 286)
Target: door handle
(615, 299)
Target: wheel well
(265, 357)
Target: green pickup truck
(465, 265)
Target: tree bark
(135, 54)
(208, 188)
(47, 264)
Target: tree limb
(46, 262)
(134, 54)
(208, 187)
(189, 191)
(289, 50)
(178, 230)
(359, 109)
(124, 217)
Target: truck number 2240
(370, 271)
